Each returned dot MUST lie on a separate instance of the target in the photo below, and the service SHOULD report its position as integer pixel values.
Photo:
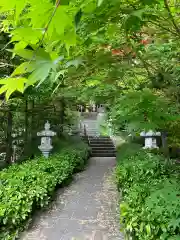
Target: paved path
(85, 210)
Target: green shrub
(151, 197)
(32, 183)
(126, 150)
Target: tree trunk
(26, 123)
(164, 143)
(32, 129)
(61, 116)
(26, 133)
(9, 137)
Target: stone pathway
(85, 210)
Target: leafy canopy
(43, 33)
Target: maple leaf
(10, 85)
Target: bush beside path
(31, 185)
(150, 188)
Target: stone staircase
(91, 127)
(101, 146)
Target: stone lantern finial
(47, 125)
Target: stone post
(94, 107)
(87, 108)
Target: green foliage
(86, 27)
(127, 150)
(173, 134)
(46, 27)
(39, 66)
(104, 131)
(125, 46)
(10, 85)
(150, 188)
(143, 109)
(31, 184)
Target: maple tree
(93, 44)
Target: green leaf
(90, 7)
(39, 13)
(63, 19)
(30, 82)
(11, 5)
(40, 67)
(78, 17)
(24, 53)
(11, 85)
(65, 2)
(93, 82)
(75, 62)
(132, 23)
(20, 5)
(99, 2)
(7, 5)
(24, 68)
(3, 88)
(41, 73)
(70, 40)
(150, 2)
(56, 60)
(26, 34)
(40, 54)
(20, 45)
(60, 73)
(138, 13)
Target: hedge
(150, 207)
(26, 186)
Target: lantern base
(46, 154)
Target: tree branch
(2, 65)
(164, 28)
(171, 16)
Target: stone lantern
(46, 141)
(150, 139)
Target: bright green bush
(151, 197)
(31, 184)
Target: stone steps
(112, 151)
(101, 146)
(91, 127)
(103, 155)
(99, 142)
